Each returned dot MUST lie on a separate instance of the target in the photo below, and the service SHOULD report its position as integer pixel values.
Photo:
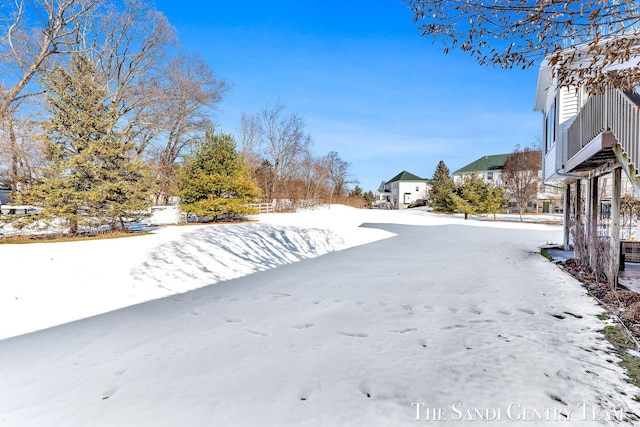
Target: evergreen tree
(495, 200)
(442, 188)
(467, 196)
(356, 192)
(92, 176)
(214, 181)
(369, 197)
(474, 196)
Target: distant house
(490, 168)
(401, 191)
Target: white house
(401, 191)
(590, 140)
(490, 168)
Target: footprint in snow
(475, 310)
(526, 310)
(354, 334)
(259, 333)
(505, 312)
(454, 327)
(577, 316)
(303, 325)
(232, 320)
(403, 331)
(365, 388)
(557, 399)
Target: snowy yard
(409, 318)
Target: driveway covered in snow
(447, 324)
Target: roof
(583, 56)
(545, 79)
(485, 163)
(405, 176)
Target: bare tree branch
(581, 40)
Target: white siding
(413, 189)
(569, 101)
(550, 164)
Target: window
(490, 176)
(417, 188)
(550, 127)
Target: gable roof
(405, 176)
(485, 163)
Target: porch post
(592, 221)
(578, 201)
(614, 229)
(579, 232)
(566, 217)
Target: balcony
(606, 128)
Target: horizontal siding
(569, 101)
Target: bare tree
(130, 52)
(31, 34)
(580, 39)
(337, 174)
(191, 90)
(521, 176)
(282, 142)
(315, 175)
(250, 134)
(18, 160)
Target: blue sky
(368, 86)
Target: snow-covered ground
(409, 316)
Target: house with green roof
(489, 168)
(401, 191)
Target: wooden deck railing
(612, 111)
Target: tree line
(277, 147)
(102, 115)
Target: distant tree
(356, 192)
(521, 176)
(214, 181)
(468, 196)
(369, 198)
(92, 176)
(581, 38)
(337, 174)
(495, 200)
(313, 174)
(280, 139)
(442, 187)
(188, 94)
